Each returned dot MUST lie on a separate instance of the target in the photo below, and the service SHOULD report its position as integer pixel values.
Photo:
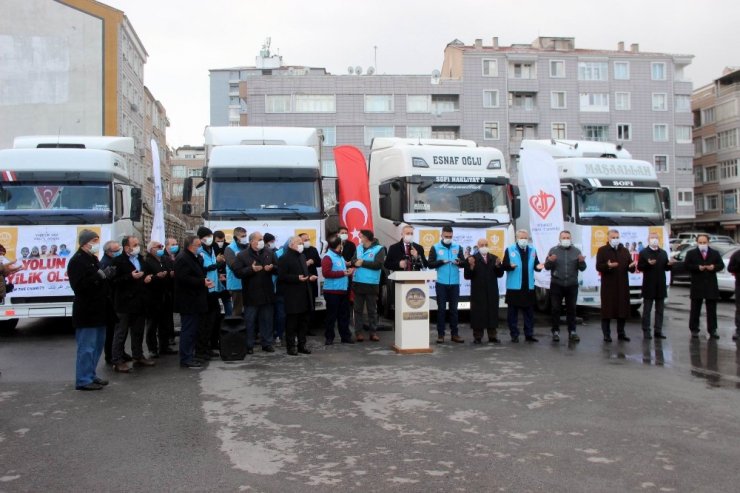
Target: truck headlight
(418, 162)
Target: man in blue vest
(520, 264)
(447, 258)
(368, 262)
(238, 243)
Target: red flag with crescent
(354, 194)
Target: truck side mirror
(667, 202)
(136, 205)
(515, 202)
(187, 189)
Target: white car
(725, 280)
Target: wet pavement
(636, 416)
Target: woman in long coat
(483, 270)
(614, 263)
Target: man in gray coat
(564, 261)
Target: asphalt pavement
(634, 416)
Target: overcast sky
(186, 38)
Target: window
(373, 132)
(557, 69)
(233, 114)
(699, 203)
(697, 147)
(707, 116)
(682, 103)
(380, 103)
(520, 131)
(698, 174)
(450, 133)
(683, 134)
(523, 100)
(710, 145)
(490, 131)
(660, 101)
(727, 139)
(445, 103)
(277, 103)
(621, 70)
(490, 99)
(178, 172)
(596, 132)
(685, 196)
(558, 131)
(622, 101)
(624, 131)
(711, 203)
(328, 168)
(660, 132)
(419, 132)
(728, 169)
(196, 172)
(330, 136)
(593, 70)
(418, 103)
(490, 67)
(522, 70)
(658, 71)
(726, 110)
(557, 100)
(315, 103)
(684, 164)
(594, 101)
(710, 174)
(661, 163)
(729, 202)
(177, 189)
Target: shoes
(659, 335)
(268, 349)
(203, 357)
(154, 355)
(144, 362)
(624, 338)
(515, 339)
(100, 381)
(457, 339)
(646, 335)
(374, 338)
(195, 365)
(278, 341)
(607, 338)
(573, 337)
(714, 336)
(329, 342)
(556, 336)
(694, 334)
(531, 339)
(292, 351)
(127, 357)
(214, 354)
(89, 386)
(347, 341)
(494, 340)
(250, 350)
(359, 337)
(440, 339)
(477, 340)
(304, 350)
(122, 368)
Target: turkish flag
(354, 193)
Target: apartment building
(188, 161)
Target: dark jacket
(89, 308)
(156, 288)
(397, 252)
(298, 294)
(615, 284)
(221, 251)
(565, 268)
(311, 253)
(703, 283)
(734, 268)
(130, 294)
(257, 287)
(484, 295)
(191, 293)
(653, 276)
(348, 250)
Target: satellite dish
(358, 70)
(350, 70)
(436, 73)
(370, 70)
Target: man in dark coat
(483, 270)
(130, 302)
(520, 263)
(111, 250)
(653, 262)
(294, 284)
(348, 248)
(734, 269)
(255, 266)
(89, 308)
(157, 339)
(703, 263)
(313, 261)
(190, 298)
(564, 261)
(406, 255)
(614, 263)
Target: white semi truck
(431, 183)
(602, 188)
(265, 179)
(52, 187)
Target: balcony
(523, 114)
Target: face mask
(522, 243)
(483, 251)
(95, 248)
(220, 244)
(199, 251)
(244, 240)
(117, 253)
(174, 249)
(260, 244)
(134, 252)
(447, 241)
(653, 242)
(343, 236)
(160, 253)
(703, 248)
(614, 242)
(408, 239)
(565, 243)
(300, 248)
(271, 245)
(208, 240)
(306, 244)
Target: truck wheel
(542, 296)
(8, 325)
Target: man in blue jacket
(520, 264)
(447, 258)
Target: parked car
(674, 243)
(722, 239)
(679, 273)
(725, 280)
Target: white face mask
(703, 248)
(207, 241)
(447, 241)
(483, 251)
(565, 243)
(271, 245)
(220, 244)
(522, 242)
(306, 244)
(260, 244)
(343, 236)
(654, 242)
(300, 249)
(408, 239)
(614, 242)
(95, 248)
(135, 251)
(244, 240)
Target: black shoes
(292, 351)
(573, 337)
(440, 339)
(193, 365)
(646, 335)
(268, 349)
(531, 339)
(100, 381)
(347, 341)
(250, 350)
(89, 386)
(329, 342)
(607, 338)
(714, 336)
(494, 340)
(659, 335)
(694, 334)
(477, 340)
(514, 339)
(304, 350)
(555, 336)
(623, 337)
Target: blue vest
(514, 277)
(233, 283)
(447, 273)
(363, 275)
(208, 260)
(337, 265)
(278, 253)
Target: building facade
(188, 161)
(494, 95)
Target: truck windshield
(264, 197)
(458, 197)
(87, 202)
(616, 203)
